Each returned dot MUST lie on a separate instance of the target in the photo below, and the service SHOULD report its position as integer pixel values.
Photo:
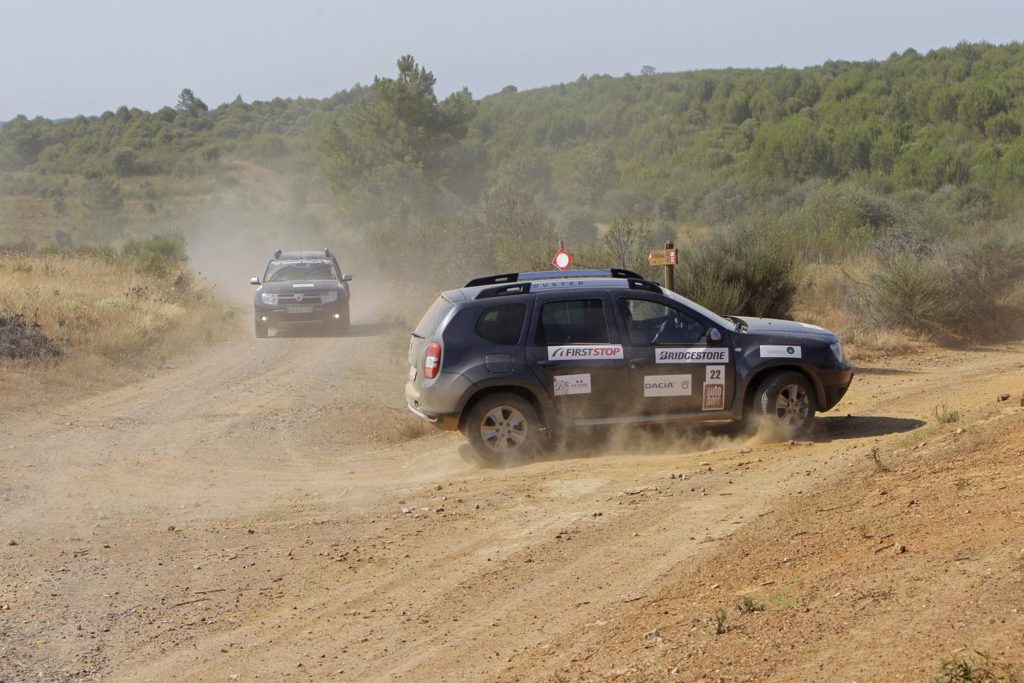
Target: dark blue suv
(302, 290)
(509, 358)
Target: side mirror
(346, 277)
(714, 335)
(254, 281)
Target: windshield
(710, 315)
(288, 271)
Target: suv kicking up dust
(302, 290)
(508, 358)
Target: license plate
(299, 309)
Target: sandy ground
(259, 512)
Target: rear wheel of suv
(786, 400)
(503, 427)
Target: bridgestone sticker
(566, 385)
(714, 387)
(694, 355)
(781, 352)
(668, 385)
(586, 352)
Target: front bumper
(834, 382)
(334, 313)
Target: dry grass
(832, 296)
(111, 319)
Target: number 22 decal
(714, 373)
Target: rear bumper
(439, 400)
(449, 423)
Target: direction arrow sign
(663, 257)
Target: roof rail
(505, 278)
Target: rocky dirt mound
(24, 338)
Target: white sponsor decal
(307, 285)
(586, 352)
(668, 385)
(781, 352)
(693, 355)
(714, 387)
(565, 385)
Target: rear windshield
(433, 317)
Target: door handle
(546, 363)
(638, 362)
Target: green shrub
(964, 288)
(979, 669)
(156, 255)
(744, 270)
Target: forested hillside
(834, 162)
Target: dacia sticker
(782, 351)
(691, 355)
(668, 385)
(567, 385)
(586, 352)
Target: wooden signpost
(668, 257)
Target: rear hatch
(425, 332)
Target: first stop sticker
(562, 260)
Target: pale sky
(60, 58)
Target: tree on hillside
(190, 104)
(386, 154)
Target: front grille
(306, 298)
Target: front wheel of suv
(503, 428)
(261, 331)
(784, 402)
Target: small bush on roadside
(943, 414)
(744, 270)
(24, 338)
(965, 289)
(747, 605)
(717, 622)
(156, 255)
(979, 669)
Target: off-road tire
(788, 397)
(503, 428)
(261, 331)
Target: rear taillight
(432, 363)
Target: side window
(502, 324)
(649, 323)
(573, 322)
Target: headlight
(329, 297)
(837, 351)
(269, 298)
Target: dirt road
(259, 513)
